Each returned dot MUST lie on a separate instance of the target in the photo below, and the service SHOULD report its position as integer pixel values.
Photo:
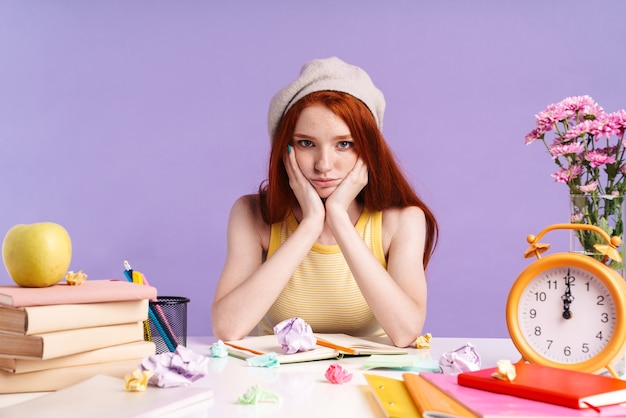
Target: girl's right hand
(308, 198)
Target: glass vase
(603, 211)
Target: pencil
(345, 350)
(238, 347)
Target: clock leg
(612, 371)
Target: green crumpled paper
(407, 362)
(264, 360)
(255, 395)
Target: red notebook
(563, 387)
(486, 404)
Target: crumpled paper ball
(423, 341)
(75, 279)
(267, 360)
(180, 368)
(337, 375)
(295, 335)
(255, 395)
(137, 381)
(505, 370)
(218, 349)
(463, 359)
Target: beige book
(63, 343)
(41, 319)
(104, 396)
(128, 351)
(55, 379)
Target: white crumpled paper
(463, 359)
(180, 368)
(294, 335)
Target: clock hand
(567, 298)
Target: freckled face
(324, 148)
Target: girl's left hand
(350, 187)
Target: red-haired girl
(336, 235)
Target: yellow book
(392, 396)
(414, 397)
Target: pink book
(491, 405)
(91, 291)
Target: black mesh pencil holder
(167, 316)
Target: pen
(128, 271)
(168, 338)
(159, 328)
(139, 278)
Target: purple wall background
(136, 124)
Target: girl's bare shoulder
(394, 218)
(247, 209)
(249, 203)
(399, 221)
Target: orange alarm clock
(568, 310)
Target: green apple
(37, 255)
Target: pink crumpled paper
(337, 374)
(180, 368)
(294, 335)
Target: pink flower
(587, 144)
(337, 375)
(604, 127)
(566, 174)
(545, 120)
(570, 108)
(560, 150)
(584, 127)
(583, 104)
(618, 119)
(589, 187)
(534, 135)
(576, 217)
(599, 157)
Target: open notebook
(328, 346)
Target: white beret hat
(322, 75)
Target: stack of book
(56, 336)
(537, 391)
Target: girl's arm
(247, 286)
(396, 296)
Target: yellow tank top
(322, 290)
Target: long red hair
(387, 186)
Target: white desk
(302, 387)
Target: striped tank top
(322, 290)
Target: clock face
(566, 314)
